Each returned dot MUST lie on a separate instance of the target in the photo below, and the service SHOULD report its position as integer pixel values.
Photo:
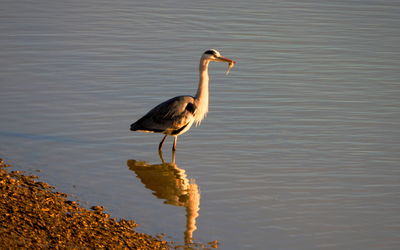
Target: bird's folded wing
(170, 115)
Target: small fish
(230, 66)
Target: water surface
(299, 149)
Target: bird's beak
(224, 59)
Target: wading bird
(175, 116)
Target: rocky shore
(33, 215)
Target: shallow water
(299, 149)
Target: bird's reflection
(170, 183)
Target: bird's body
(176, 115)
(172, 117)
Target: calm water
(300, 149)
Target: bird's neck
(201, 97)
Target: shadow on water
(170, 183)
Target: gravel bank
(32, 215)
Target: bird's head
(214, 55)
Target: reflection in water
(170, 183)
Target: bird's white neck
(201, 97)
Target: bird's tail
(135, 127)
(138, 126)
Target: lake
(300, 148)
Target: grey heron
(176, 115)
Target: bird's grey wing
(168, 116)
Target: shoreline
(33, 215)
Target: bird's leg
(161, 143)
(173, 157)
(161, 156)
(174, 146)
